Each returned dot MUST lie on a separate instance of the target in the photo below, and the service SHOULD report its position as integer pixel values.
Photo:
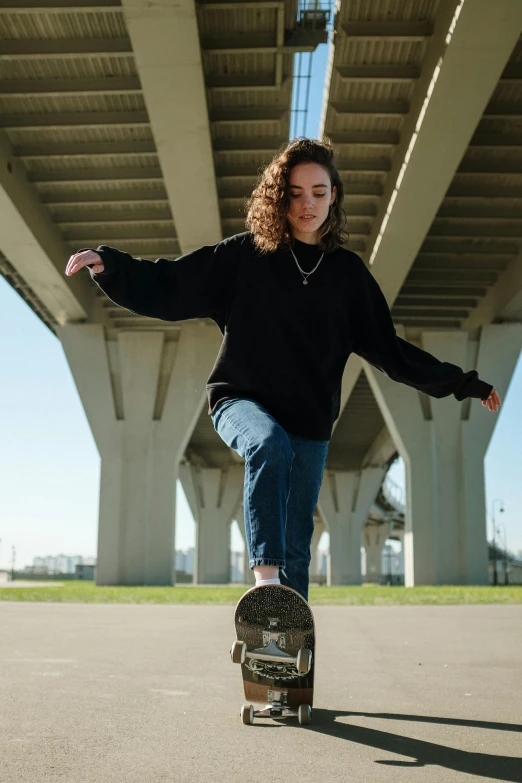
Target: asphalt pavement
(148, 693)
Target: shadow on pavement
(422, 753)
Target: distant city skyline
(392, 561)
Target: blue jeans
(283, 475)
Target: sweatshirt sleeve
(195, 285)
(377, 342)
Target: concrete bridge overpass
(144, 127)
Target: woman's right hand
(84, 258)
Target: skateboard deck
(276, 649)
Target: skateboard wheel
(304, 660)
(304, 714)
(247, 714)
(238, 652)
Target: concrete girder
(396, 30)
(166, 47)
(503, 300)
(32, 243)
(470, 67)
(381, 452)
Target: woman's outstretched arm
(377, 342)
(195, 285)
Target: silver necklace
(306, 275)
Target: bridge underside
(125, 124)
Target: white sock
(275, 581)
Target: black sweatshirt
(285, 344)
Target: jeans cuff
(266, 561)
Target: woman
(291, 304)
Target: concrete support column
(399, 535)
(443, 444)
(213, 495)
(374, 538)
(142, 396)
(345, 500)
(248, 573)
(319, 528)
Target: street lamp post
(506, 565)
(390, 565)
(495, 575)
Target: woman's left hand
(493, 401)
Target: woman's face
(310, 193)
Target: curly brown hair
(268, 205)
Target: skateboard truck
(276, 709)
(274, 644)
(277, 706)
(273, 634)
(273, 651)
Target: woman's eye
(317, 195)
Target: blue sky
(49, 462)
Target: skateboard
(276, 649)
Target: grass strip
(367, 595)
